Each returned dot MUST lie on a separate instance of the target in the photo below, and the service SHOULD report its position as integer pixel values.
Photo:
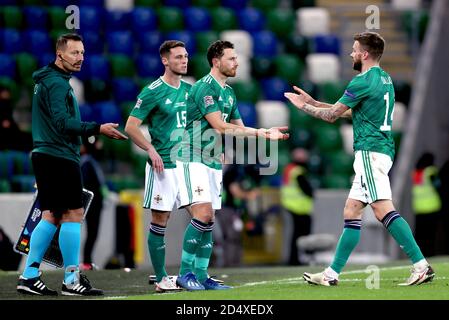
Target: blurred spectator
(11, 137)
(297, 199)
(240, 184)
(426, 203)
(93, 179)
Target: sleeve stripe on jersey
(155, 84)
(208, 79)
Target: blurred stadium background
(280, 43)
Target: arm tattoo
(326, 114)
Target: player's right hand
(156, 160)
(304, 95)
(277, 133)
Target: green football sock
(192, 239)
(203, 255)
(346, 244)
(156, 247)
(401, 232)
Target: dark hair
(61, 43)
(166, 46)
(371, 42)
(216, 50)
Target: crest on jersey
(208, 101)
(231, 101)
(138, 103)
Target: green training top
(165, 108)
(370, 95)
(55, 117)
(201, 143)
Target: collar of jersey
(170, 84)
(218, 82)
(361, 74)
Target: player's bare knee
(160, 217)
(204, 217)
(381, 208)
(353, 209)
(203, 212)
(350, 213)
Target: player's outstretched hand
(109, 130)
(276, 133)
(156, 160)
(299, 99)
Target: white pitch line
(301, 281)
(298, 279)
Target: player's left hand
(276, 133)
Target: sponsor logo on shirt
(208, 101)
(168, 101)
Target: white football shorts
(161, 189)
(199, 183)
(371, 181)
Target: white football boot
(419, 276)
(320, 278)
(167, 285)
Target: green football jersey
(370, 95)
(165, 108)
(201, 143)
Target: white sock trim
(331, 273)
(421, 265)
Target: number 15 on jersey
(181, 119)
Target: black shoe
(80, 288)
(34, 286)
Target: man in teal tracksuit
(57, 129)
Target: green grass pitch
(257, 283)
